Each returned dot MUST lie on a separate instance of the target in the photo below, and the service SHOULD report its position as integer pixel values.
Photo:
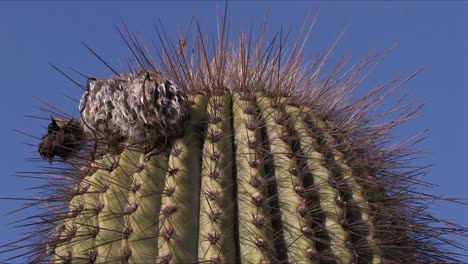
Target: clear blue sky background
(431, 34)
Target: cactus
(245, 156)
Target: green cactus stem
(182, 206)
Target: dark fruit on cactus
(239, 157)
(63, 139)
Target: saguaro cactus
(247, 155)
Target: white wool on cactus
(133, 108)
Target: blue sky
(430, 34)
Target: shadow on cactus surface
(213, 151)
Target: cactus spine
(242, 157)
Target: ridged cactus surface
(245, 155)
(254, 178)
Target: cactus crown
(226, 155)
